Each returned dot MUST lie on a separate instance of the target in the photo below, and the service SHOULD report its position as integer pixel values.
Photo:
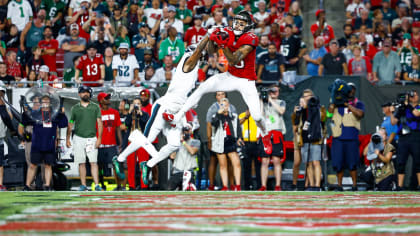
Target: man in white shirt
(125, 67)
(172, 21)
(160, 75)
(19, 13)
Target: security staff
(407, 116)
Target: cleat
(186, 178)
(168, 117)
(119, 169)
(277, 188)
(83, 188)
(144, 172)
(263, 188)
(268, 147)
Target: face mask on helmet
(243, 21)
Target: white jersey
(182, 83)
(19, 13)
(125, 69)
(152, 15)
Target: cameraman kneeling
(185, 161)
(407, 116)
(380, 152)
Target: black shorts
(38, 158)
(1, 154)
(105, 155)
(277, 150)
(230, 145)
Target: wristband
(329, 115)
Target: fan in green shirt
(406, 52)
(172, 46)
(54, 9)
(184, 14)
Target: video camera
(339, 92)
(376, 143)
(264, 93)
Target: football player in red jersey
(238, 45)
(92, 65)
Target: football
(224, 35)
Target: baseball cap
(148, 51)
(102, 96)
(387, 104)
(319, 12)
(90, 45)
(215, 7)
(145, 92)
(44, 68)
(74, 26)
(123, 45)
(171, 8)
(116, 7)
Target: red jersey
(50, 60)
(246, 67)
(327, 33)
(110, 121)
(80, 21)
(13, 69)
(91, 68)
(194, 36)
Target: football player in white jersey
(125, 67)
(181, 84)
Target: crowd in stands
(138, 43)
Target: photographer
(309, 117)
(185, 161)
(273, 110)
(136, 120)
(381, 169)
(43, 148)
(407, 116)
(346, 112)
(227, 134)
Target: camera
(136, 107)
(339, 92)
(264, 95)
(186, 133)
(376, 139)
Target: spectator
(148, 60)
(363, 20)
(378, 19)
(172, 46)
(273, 110)
(388, 109)
(205, 9)
(321, 28)
(32, 33)
(195, 33)
(13, 67)
(334, 62)
(12, 38)
(49, 48)
(235, 8)
(123, 108)
(149, 73)
(354, 9)
(100, 8)
(262, 47)
(92, 67)
(388, 12)
(401, 14)
(348, 32)
(101, 43)
(415, 39)
(43, 139)
(20, 20)
(125, 68)
(415, 10)
(45, 76)
(224, 142)
(213, 67)
(122, 37)
(309, 120)
(275, 35)
(4, 77)
(217, 19)
(413, 71)
(296, 13)
(73, 46)
(142, 41)
(185, 162)
(84, 116)
(314, 58)
(74, 6)
(69, 73)
(55, 11)
(386, 66)
(184, 14)
(406, 52)
(64, 31)
(111, 129)
(345, 132)
(171, 22)
(3, 15)
(154, 15)
(109, 73)
(32, 78)
(407, 116)
(262, 19)
(5, 119)
(35, 61)
(380, 34)
(84, 19)
(117, 19)
(271, 66)
(292, 48)
(403, 28)
(360, 65)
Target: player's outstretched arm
(238, 55)
(193, 59)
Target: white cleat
(186, 180)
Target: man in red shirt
(81, 17)
(92, 65)
(195, 33)
(13, 67)
(49, 48)
(321, 28)
(111, 129)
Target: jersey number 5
(123, 70)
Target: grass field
(193, 213)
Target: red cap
(416, 24)
(319, 12)
(145, 92)
(215, 7)
(102, 96)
